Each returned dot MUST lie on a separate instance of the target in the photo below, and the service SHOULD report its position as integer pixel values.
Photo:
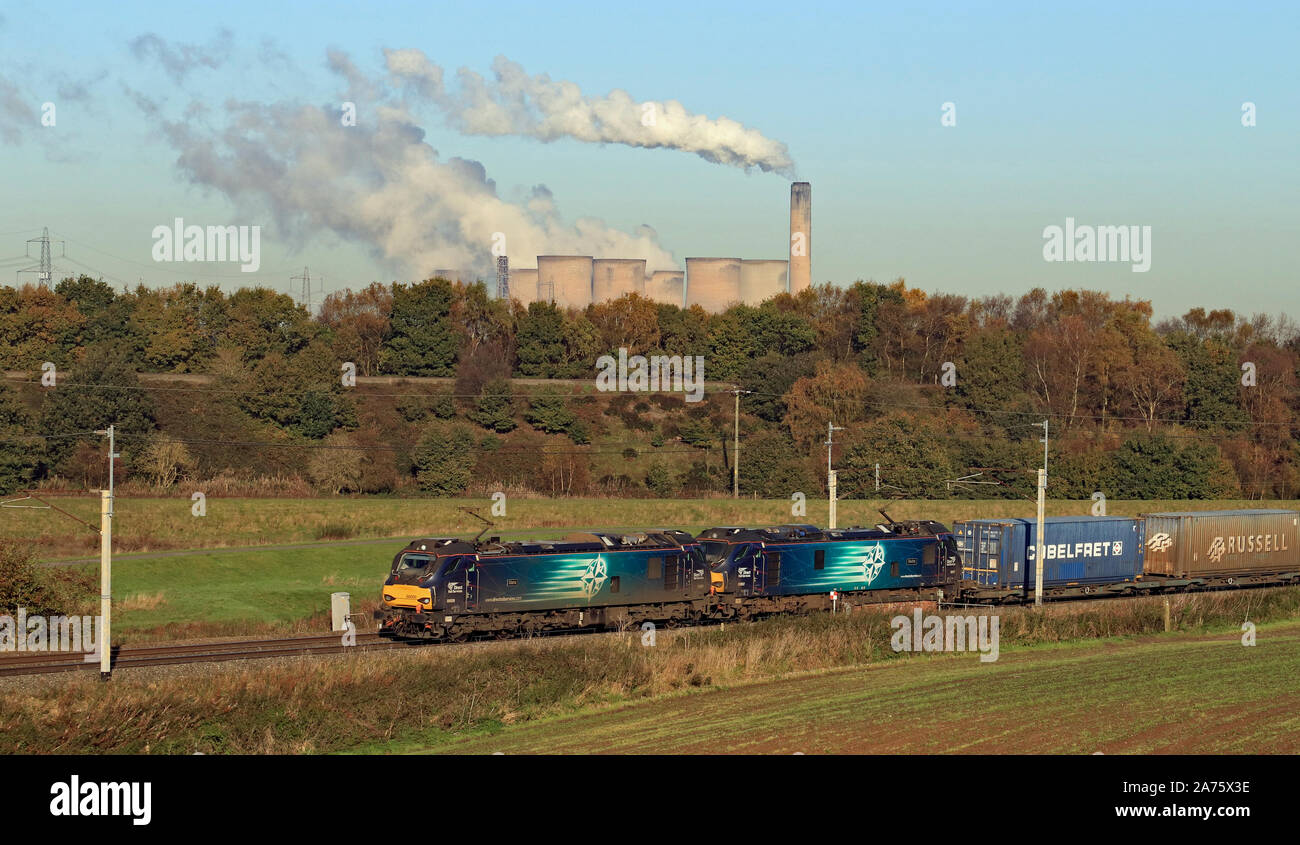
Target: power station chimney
(800, 236)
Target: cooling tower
(667, 287)
(564, 280)
(800, 236)
(613, 277)
(523, 286)
(712, 283)
(762, 279)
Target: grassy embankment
(244, 591)
(153, 524)
(1079, 678)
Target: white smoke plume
(514, 103)
(379, 183)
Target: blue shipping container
(1080, 550)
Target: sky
(1112, 114)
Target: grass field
(238, 589)
(1078, 678)
(143, 525)
(1204, 694)
(242, 593)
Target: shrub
(495, 409)
(444, 459)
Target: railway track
(132, 657)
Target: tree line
(944, 392)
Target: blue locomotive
(448, 588)
(799, 567)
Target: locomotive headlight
(387, 597)
(425, 600)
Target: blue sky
(1109, 113)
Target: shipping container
(1196, 543)
(1082, 550)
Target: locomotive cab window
(411, 563)
(453, 564)
(715, 551)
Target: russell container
(1000, 553)
(1191, 543)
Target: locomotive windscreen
(715, 551)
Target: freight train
(1151, 553)
(452, 589)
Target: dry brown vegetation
(430, 694)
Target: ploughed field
(1182, 694)
(1079, 678)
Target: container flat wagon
(1153, 553)
(1085, 555)
(1232, 545)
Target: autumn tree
(262, 321)
(630, 322)
(165, 461)
(359, 322)
(37, 325)
(337, 466)
(835, 392)
(1152, 379)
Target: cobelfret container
(1191, 543)
(1080, 550)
